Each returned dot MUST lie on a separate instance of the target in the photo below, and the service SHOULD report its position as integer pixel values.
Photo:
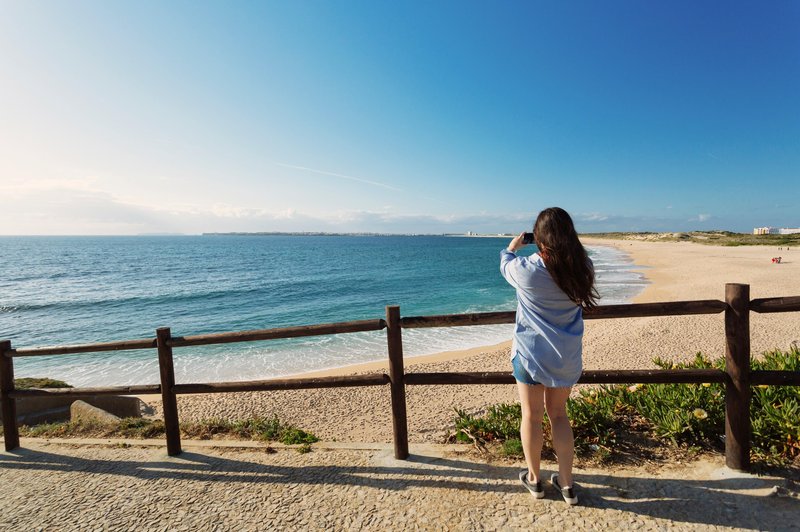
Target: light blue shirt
(549, 327)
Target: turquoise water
(66, 290)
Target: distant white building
(775, 231)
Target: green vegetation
(257, 428)
(612, 421)
(303, 449)
(261, 429)
(38, 382)
(718, 238)
(512, 447)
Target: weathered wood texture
(457, 320)
(8, 405)
(775, 378)
(273, 334)
(663, 308)
(652, 376)
(776, 304)
(284, 384)
(84, 348)
(474, 377)
(141, 389)
(737, 365)
(587, 377)
(394, 342)
(169, 401)
(638, 310)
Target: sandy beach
(675, 271)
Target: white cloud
(592, 217)
(224, 210)
(342, 176)
(79, 207)
(20, 187)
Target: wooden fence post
(396, 381)
(169, 400)
(737, 366)
(8, 405)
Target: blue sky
(141, 117)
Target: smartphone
(527, 238)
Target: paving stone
(104, 488)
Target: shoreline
(676, 271)
(370, 367)
(457, 354)
(643, 265)
(383, 365)
(442, 356)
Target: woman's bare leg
(530, 429)
(563, 440)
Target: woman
(553, 286)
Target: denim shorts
(520, 373)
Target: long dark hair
(566, 260)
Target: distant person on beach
(553, 286)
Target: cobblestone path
(85, 487)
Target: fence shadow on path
(700, 502)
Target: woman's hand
(517, 242)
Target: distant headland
(720, 238)
(322, 233)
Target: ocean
(69, 290)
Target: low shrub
(264, 429)
(683, 413)
(690, 415)
(512, 448)
(500, 422)
(25, 383)
(775, 410)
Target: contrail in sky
(323, 172)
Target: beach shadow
(188, 465)
(678, 500)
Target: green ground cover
(644, 420)
(267, 429)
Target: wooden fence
(737, 376)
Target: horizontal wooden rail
(775, 304)
(476, 377)
(375, 379)
(458, 320)
(775, 377)
(637, 310)
(652, 376)
(123, 345)
(488, 377)
(140, 389)
(661, 308)
(588, 377)
(274, 334)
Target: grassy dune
(717, 238)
